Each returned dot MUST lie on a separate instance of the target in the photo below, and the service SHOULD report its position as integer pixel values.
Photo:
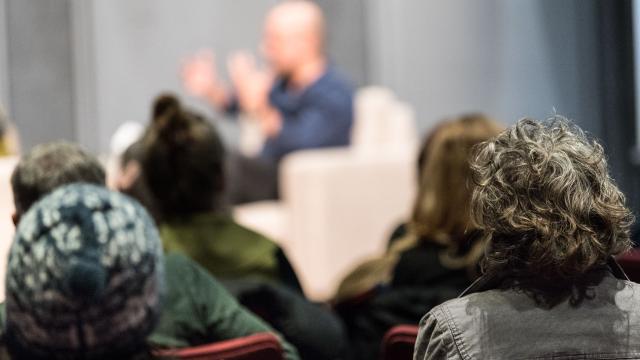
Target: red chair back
(398, 342)
(263, 346)
(630, 263)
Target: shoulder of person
(464, 308)
(175, 262)
(184, 274)
(245, 231)
(435, 338)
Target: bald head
(293, 34)
(297, 18)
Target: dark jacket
(312, 328)
(419, 283)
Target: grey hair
(546, 203)
(49, 166)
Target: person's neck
(307, 73)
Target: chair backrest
(263, 346)
(398, 342)
(630, 263)
(381, 120)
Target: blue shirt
(319, 116)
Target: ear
(16, 218)
(129, 175)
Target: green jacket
(223, 247)
(198, 310)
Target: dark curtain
(618, 90)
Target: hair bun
(170, 121)
(165, 105)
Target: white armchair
(339, 205)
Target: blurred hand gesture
(200, 78)
(251, 83)
(251, 86)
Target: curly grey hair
(546, 203)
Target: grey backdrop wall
(347, 37)
(40, 69)
(507, 58)
(79, 68)
(4, 81)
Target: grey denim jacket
(506, 324)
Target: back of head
(84, 277)
(547, 205)
(441, 209)
(47, 167)
(182, 160)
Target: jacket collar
(489, 282)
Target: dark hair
(547, 205)
(182, 160)
(48, 166)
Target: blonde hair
(441, 210)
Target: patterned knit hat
(84, 278)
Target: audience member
(49, 166)
(84, 278)
(111, 231)
(437, 256)
(183, 165)
(552, 219)
(182, 162)
(300, 102)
